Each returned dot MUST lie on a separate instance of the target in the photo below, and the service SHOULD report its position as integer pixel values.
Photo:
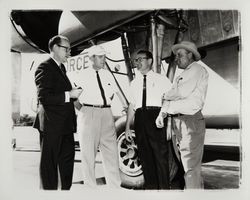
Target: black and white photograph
(124, 99)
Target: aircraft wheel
(130, 166)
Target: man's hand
(75, 93)
(77, 104)
(128, 135)
(160, 120)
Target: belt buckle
(176, 115)
(97, 106)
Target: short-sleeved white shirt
(157, 85)
(91, 92)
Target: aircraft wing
(33, 29)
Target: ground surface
(221, 168)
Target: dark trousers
(57, 155)
(152, 149)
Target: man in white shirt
(184, 103)
(146, 93)
(95, 122)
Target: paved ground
(220, 170)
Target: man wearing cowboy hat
(184, 103)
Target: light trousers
(190, 134)
(96, 129)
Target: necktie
(101, 88)
(62, 67)
(144, 92)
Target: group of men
(152, 100)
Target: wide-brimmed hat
(97, 50)
(189, 46)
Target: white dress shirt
(157, 85)
(91, 92)
(189, 90)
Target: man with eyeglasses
(146, 92)
(184, 103)
(56, 120)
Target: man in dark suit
(56, 120)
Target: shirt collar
(190, 65)
(92, 69)
(149, 73)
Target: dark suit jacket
(54, 115)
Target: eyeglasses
(66, 48)
(140, 59)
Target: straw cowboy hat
(189, 46)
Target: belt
(97, 106)
(198, 113)
(150, 108)
(177, 115)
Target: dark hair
(148, 54)
(56, 40)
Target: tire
(129, 164)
